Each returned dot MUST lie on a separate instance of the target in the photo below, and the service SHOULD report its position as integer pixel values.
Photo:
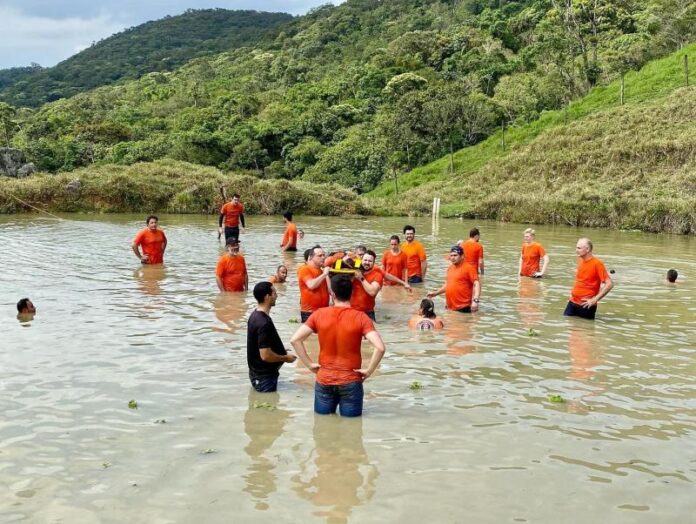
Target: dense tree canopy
(357, 92)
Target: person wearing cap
(462, 287)
(231, 270)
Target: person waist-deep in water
(340, 375)
(592, 283)
(152, 241)
(265, 351)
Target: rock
(74, 185)
(13, 163)
(26, 170)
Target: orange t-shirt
(232, 212)
(232, 270)
(425, 324)
(272, 279)
(311, 299)
(415, 254)
(531, 258)
(459, 285)
(394, 265)
(152, 243)
(290, 235)
(588, 279)
(361, 299)
(340, 331)
(473, 252)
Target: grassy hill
(598, 164)
(161, 45)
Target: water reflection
(459, 332)
(585, 355)
(263, 423)
(530, 292)
(230, 309)
(341, 474)
(149, 277)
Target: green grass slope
(601, 164)
(160, 45)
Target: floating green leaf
(132, 404)
(264, 405)
(293, 321)
(532, 333)
(415, 386)
(106, 465)
(208, 451)
(556, 398)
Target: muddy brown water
(479, 441)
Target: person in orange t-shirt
(281, 275)
(426, 319)
(394, 262)
(289, 242)
(153, 242)
(473, 250)
(314, 288)
(462, 288)
(231, 272)
(367, 283)
(416, 258)
(340, 374)
(232, 213)
(592, 283)
(533, 260)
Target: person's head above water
(409, 233)
(152, 222)
(282, 273)
(672, 276)
(427, 308)
(25, 306)
(287, 216)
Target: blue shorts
(573, 310)
(264, 384)
(371, 315)
(347, 397)
(304, 315)
(415, 279)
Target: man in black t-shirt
(265, 350)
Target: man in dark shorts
(232, 215)
(592, 283)
(265, 351)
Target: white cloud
(32, 38)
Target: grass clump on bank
(170, 186)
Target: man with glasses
(313, 280)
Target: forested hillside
(358, 93)
(161, 45)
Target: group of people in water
(337, 298)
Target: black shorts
(466, 309)
(371, 314)
(264, 384)
(304, 315)
(415, 279)
(573, 310)
(231, 232)
(291, 249)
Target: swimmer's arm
(313, 283)
(376, 341)
(268, 355)
(297, 342)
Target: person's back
(421, 323)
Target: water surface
(478, 442)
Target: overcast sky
(48, 31)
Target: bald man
(592, 283)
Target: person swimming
(426, 319)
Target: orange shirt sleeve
(421, 253)
(139, 237)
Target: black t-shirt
(261, 333)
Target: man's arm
(219, 283)
(519, 267)
(376, 341)
(268, 355)
(589, 302)
(241, 220)
(371, 288)
(297, 341)
(392, 278)
(424, 268)
(480, 268)
(313, 283)
(440, 291)
(164, 245)
(476, 293)
(246, 281)
(544, 264)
